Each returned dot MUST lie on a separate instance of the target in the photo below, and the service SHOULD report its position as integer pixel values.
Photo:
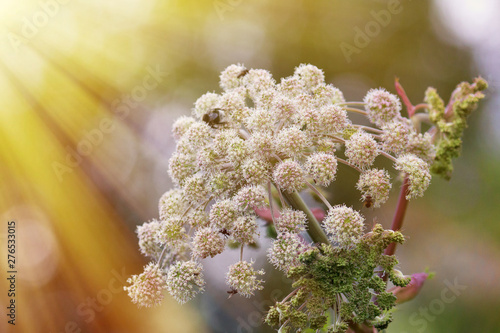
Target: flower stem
(397, 221)
(356, 111)
(313, 227)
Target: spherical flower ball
(250, 196)
(291, 220)
(223, 183)
(260, 120)
(344, 225)
(291, 141)
(223, 214)
(199, 134)
(195, 189)
(421, 145)
(244, 279)
(418, 174)
(256, 171)
(233, 105)
(184, 146)
(171, 203)
(205, 104)
(262, 144)
(327, 145)
(237, 151)
(374, 185)
(231, 77)
(284, 253)
(333, 119)
(181, 166)
(283, 108)
(310, 75)
(146, 289)
(396, 135)
(197, 218)
(382, 106)
(208, 160)
(147, 238)
(185, 280)
(326, 94)
(265, 100)
(289, 176)
(291, 86)
(245, 229)
(361, 149)
(207, 242)
(257, 81)
(322, 167)
(181, 126)
(171, 229)
(222, 140)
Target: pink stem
(397, 220)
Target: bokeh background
(89, 91)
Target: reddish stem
(406, 101)
(397, 220)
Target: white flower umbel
(344, 225)
(418, 174)
(185, 280)
(244, 279)
(146, 289)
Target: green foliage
(344, 280)
(451, 121)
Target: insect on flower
(368, 201)
(232, 292)
(214, 117)
(225, 232)
(243, 73)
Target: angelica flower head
(289, 176)
(310, 75)
(223, 214)
(243, 278)
(231, 77)
(207, 242)
(322, 168)
(344, 225)
(184, 280)
(418, 174)
(291, 220)
(291, 141)
(374, 185)
(361, 149)
(245, 230)
(259, 144)
(181, 126)
(284, 253)
(205, 103)
(147, 238)
(382, 106)
(146, 289)
(250, 196)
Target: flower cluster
(243, 278)
(146, 289)
(254, 147)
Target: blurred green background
(89, 91)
